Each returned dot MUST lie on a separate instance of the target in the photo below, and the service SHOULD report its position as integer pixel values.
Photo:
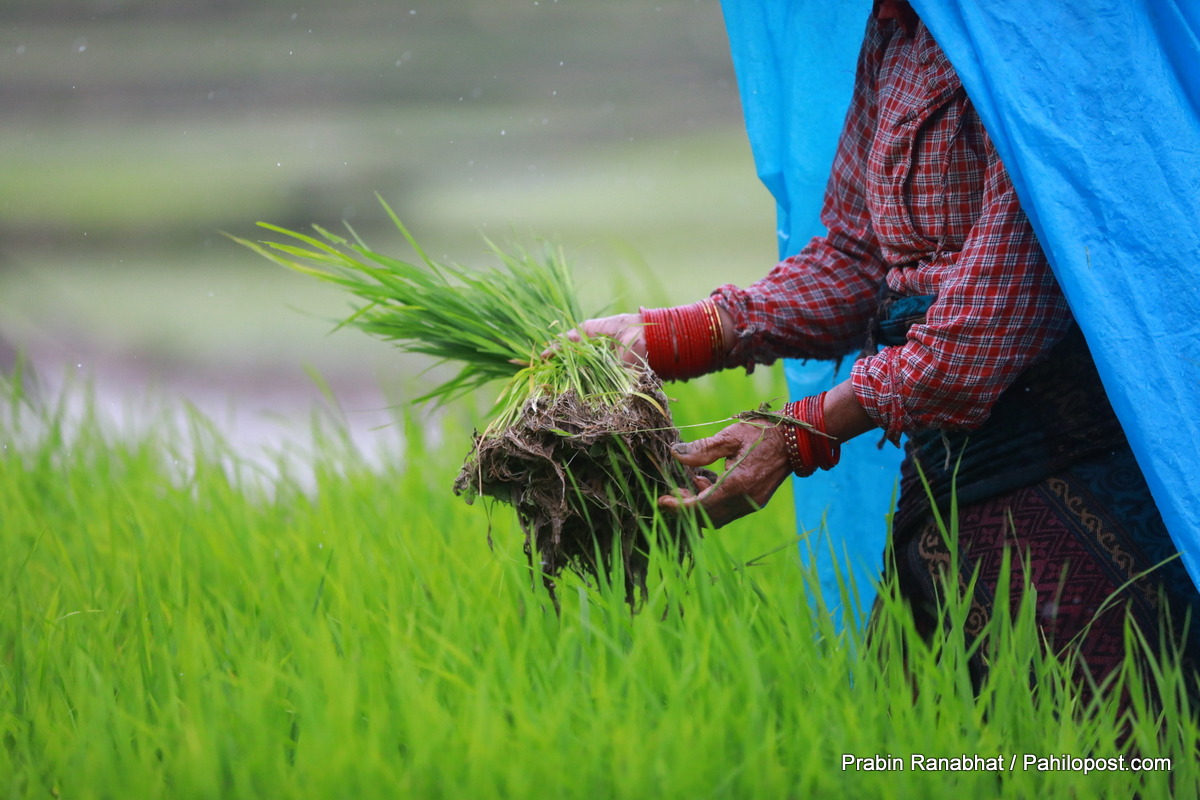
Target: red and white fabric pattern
(918, 202)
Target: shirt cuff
(878, 391)
(733, 300)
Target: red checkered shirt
(917, 199)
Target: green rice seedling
(169, 630)
(564, 426)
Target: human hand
(626, 330)
(756, 465)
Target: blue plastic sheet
(1095, 109)
(795, 68)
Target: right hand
(756, 464)
(626, 330)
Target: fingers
(758, 465)
(585, 328)
(624, 329)
(719, 507)
(552, 348)
(703, 452)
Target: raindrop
(20, 49)
(502, 132)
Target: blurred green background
(135, 131)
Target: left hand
(757, 465)
(627, 331)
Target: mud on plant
(579, 443)
(583, 477)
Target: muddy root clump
(584, 478)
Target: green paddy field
(297, 606)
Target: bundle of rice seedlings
(578, 442)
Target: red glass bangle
(684, 341)
(808, 446)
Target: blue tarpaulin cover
(1095, 108)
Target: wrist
(684, 341)
(809, 446)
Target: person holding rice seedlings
(971, 352)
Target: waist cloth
(1050, 476)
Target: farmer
(931, 273)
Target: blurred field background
(136, 131)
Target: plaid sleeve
(998, 309)
(817, 304)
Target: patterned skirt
(1094, 548)
(1051, 478)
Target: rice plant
(570, 431)
(167, 630)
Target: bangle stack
(808, 446)
(685, 341)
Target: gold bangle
(717, 330)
